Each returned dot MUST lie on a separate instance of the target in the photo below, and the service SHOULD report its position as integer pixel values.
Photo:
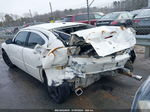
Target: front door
(16, 49)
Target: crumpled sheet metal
(57, 76)
(55, 57)
(57, 63)
(108, 39)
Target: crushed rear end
(89, 55)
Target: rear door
(32, 59)
(16, 49)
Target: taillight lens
(95, 23)
(114, 23)
(136, 21)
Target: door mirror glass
(9, 41)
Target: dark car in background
(141, 22)
(116, 19)
(83, 18)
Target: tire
(58, 94)
(129, 65)
(7, 60)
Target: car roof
(121, 12)
(49, 26)
(100, 13)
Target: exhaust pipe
(137, 77)
(78, 91)
(127, 72)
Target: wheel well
(44, 75)
(3, 50)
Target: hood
(108, 39)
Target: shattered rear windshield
(71, 29)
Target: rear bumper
(82, 66)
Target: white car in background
(68, 57)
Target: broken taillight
(114, 23)
(136, 21)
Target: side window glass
(21, 38)
(35, 39)
(81, 17)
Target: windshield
(111, 16)
(67, 19)
(84, 17)
(97, 16)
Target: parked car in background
(141, 22)
(116, 19)
(11, 30)
(83, 18)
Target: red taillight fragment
(136, 21)
(114, 23)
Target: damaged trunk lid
(107, 40)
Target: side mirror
(9, 41)
(134, 15)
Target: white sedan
(68, 57)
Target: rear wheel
(7, 60)
(60, 93)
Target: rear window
(67, 19)
(84, 17)
(35, 39)
(97, 16)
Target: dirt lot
(18, 90)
